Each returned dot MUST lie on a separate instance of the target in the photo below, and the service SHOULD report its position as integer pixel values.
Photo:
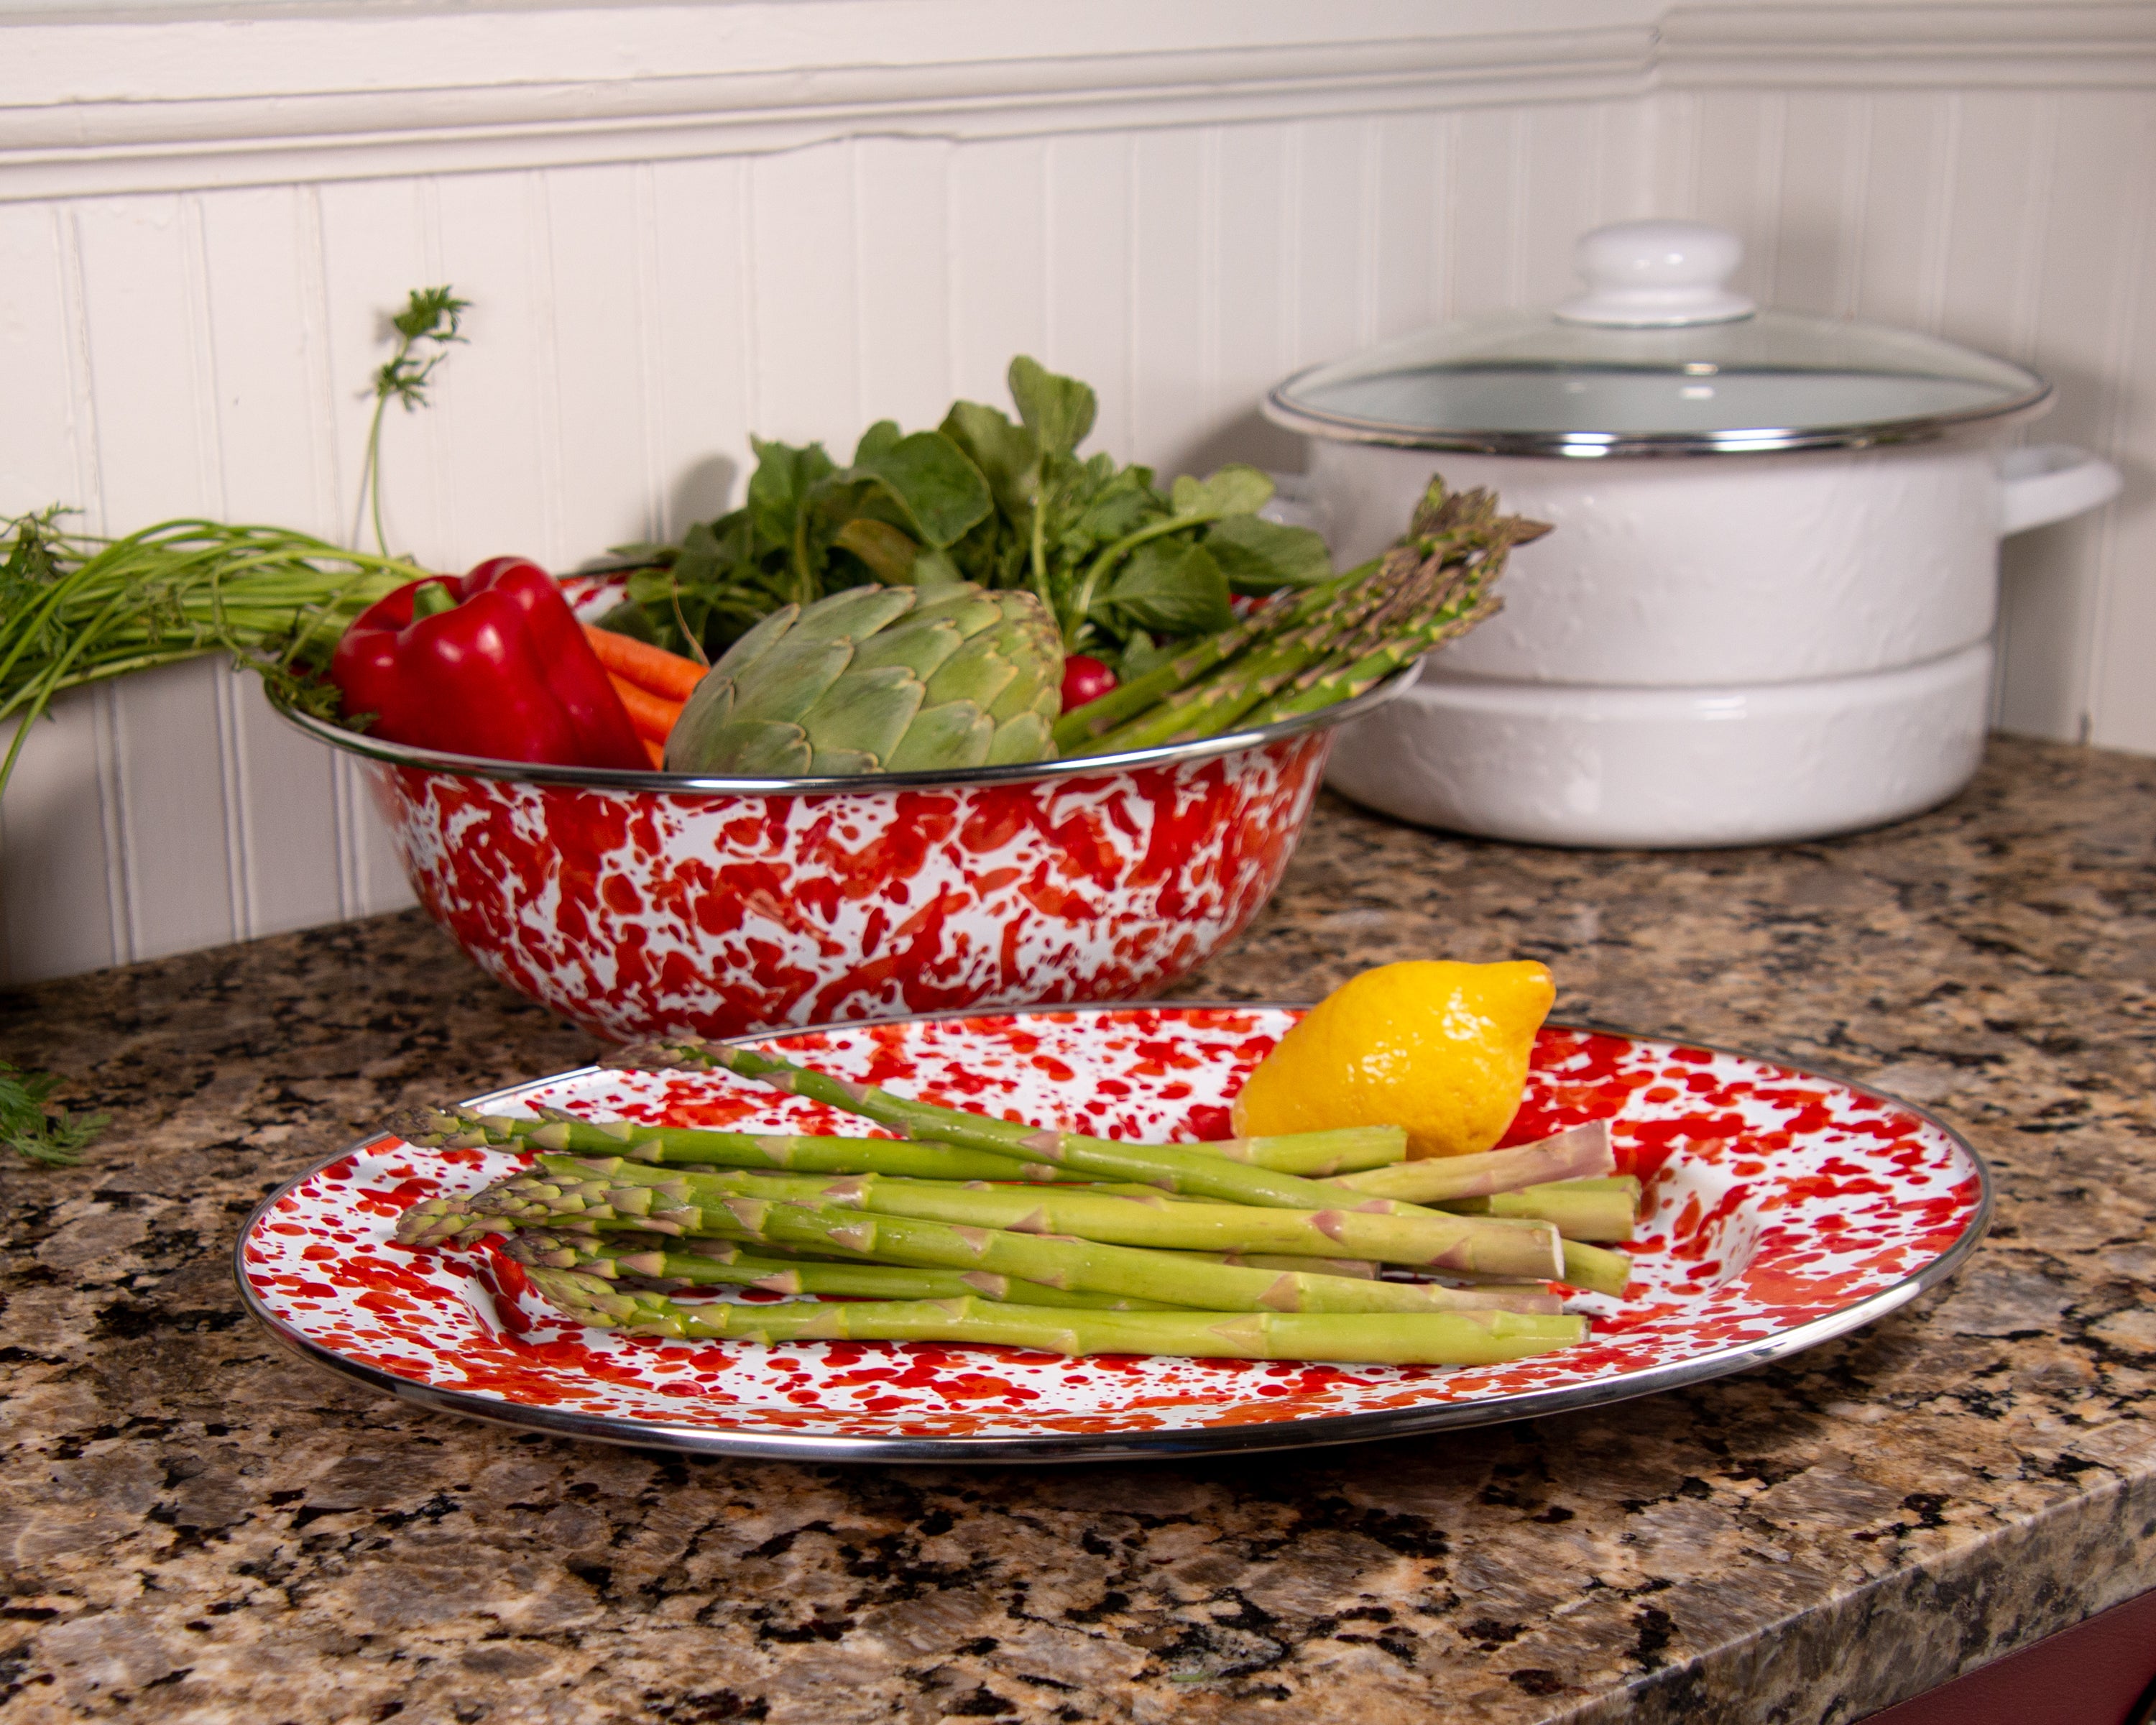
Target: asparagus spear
(1097, 717)
(1596, 1269)
(1315, 1155)
(1602, 1209)
(1489, 1294)
(1428, 1238)
(1391, 613)
(555, 1130)
(717, 1263)
(1362, 1269)
(1431, 586)
(1170, 1278)
(1513, 1296)
(1212, 703)
(1459, 533)
(1441, 598)
(1446, 1339)
(1343, 678)
(1577, 1154)
(1175, 1168)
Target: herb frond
(44, 1137)
(432, 318)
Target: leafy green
(1006, 455)
(937, 493)
(1058, 411)
(1258, 556)
(779, 490)
(1169, 587)
(1234, 490)
(50, 1139)
(1126, 567)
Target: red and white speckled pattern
(643, 912)
(1774, 1198)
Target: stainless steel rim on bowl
(1063, 1448)
(1204, 748)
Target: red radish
(1084, 679)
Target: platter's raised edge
(1204, 1441)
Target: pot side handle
(2051, 482)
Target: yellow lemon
(1438, 1047)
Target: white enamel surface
(1715, 569)
(1557, 764)
(1657, 274)
(1721, 649)
(2053, 482)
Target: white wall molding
(95, 107)
(2015, 46)
(114, 147)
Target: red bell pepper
(493, 663)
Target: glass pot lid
(1657, 358)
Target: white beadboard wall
(190, 329)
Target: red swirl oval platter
(1782, 1209)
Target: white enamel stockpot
(1766, 612)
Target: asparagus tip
(675, 1055)
(419, 1124)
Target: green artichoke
(879, 680)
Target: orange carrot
(657, 750)
(653, 715)
(648, 667)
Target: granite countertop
(195, 1527)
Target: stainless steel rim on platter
(1206, 748)
(1159, 1445)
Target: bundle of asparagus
(1318, 1245)
(1328, 643)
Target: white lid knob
(1657, 274)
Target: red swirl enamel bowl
(641, 904)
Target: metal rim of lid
(1593, 445)
(1646, 276)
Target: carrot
(657, 750)
(653, 715)
(648, 667)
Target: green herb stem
(430, 316)
(77, 609)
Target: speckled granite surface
(193, 1527)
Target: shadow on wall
(702, 494)
(1250, 437)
